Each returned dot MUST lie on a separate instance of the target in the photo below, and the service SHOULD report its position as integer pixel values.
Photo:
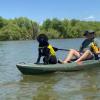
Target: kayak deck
(31, 69)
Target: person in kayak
(89, 49)
(46, 50)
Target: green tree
(46, 24)
(3, 22)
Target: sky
(40, 10)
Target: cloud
(89, 18)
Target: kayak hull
(31, 69)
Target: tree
(3, 22)
(46, 24)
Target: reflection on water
(80, 85)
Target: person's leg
(85, 55)
(72, 53)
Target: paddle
(64, 49)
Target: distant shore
(23, 28)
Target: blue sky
(39, 10)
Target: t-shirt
(85, 45)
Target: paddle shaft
(64, 49)
(78, 51)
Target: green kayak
(31, 69)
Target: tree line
(23, 28)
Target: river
(81, 85)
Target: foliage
(23, 28)
(17, 29)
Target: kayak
(31, 69)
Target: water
(82, 85)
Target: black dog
(45, 50)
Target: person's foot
(79, 62)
